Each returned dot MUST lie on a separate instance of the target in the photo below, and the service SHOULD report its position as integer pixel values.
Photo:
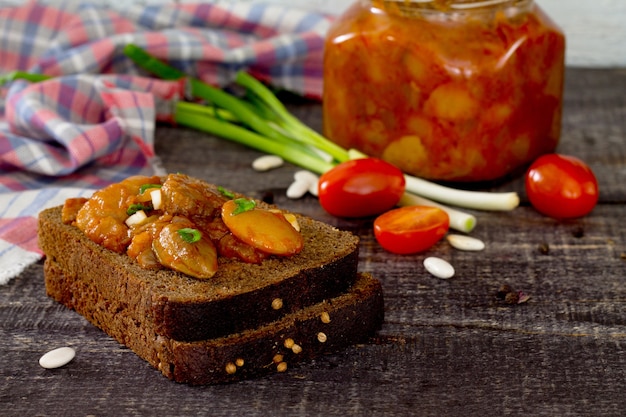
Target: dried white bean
(313, 188)
(310, 178)
(57, 357)
(304, 175)
(304, 181)
(297, 189)
(463, 242)
(267, 162)
(438, 267)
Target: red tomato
(561, 186)
(411, 229)
(360, 188)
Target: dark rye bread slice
(325, 327)
(240, 296)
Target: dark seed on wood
(578, 232)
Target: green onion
(190, 235)
(478, 200)
(205, 91)
(134, 208)
(264, 114)
(152, 64)
(225, 192)
(21, 75)
(208, 111)
(243, 205)
(280, 133)
(187, 115)
(297, 129)
(462, 198)
(145, 187)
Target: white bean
(463, 242)
(438, 267)
(297, 189)
(310, 178)
(313, 189)
(304, 175)
(267, 162)
(57, 357)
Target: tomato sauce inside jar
(445, 90)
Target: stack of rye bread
(248, 320)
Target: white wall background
(595, 29)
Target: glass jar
(443, 89)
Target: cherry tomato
(360, 188)
(561, 186)
(411, 229)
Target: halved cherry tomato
(360, 188)
(561, 186)
(265, 230)
(411, 229)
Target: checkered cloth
(92, 123)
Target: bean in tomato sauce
(186, 231)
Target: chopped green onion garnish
(134, 208)
(145, 187)
(243, 205)
(190, 235)
(225, 192)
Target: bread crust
(326, 327)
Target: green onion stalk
(192, 115)
(22, 75)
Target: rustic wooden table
(447, 347)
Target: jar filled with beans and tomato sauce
(445, 90)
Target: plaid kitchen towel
(91, 122)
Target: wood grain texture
(447, 347)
